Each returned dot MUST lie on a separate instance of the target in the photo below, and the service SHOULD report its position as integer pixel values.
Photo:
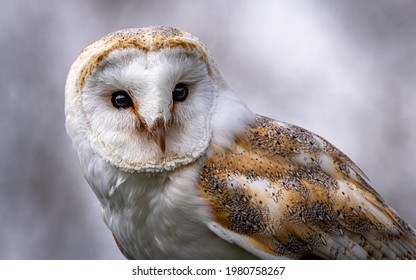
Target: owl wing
(286, 192)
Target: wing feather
(286, 192)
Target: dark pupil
(180, 92)
(121, 99)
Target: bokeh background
(343, 69)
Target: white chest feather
(161, 216)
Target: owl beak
(160, 138)
(158, 133)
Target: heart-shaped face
(144, 98)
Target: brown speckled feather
(288, 192)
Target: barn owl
(184, 170)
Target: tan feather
(290, 193)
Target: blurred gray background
(343, 69)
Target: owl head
(149, 100)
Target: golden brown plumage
(291, 193)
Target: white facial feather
(150, 79)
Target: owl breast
(161, 216)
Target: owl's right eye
(121, 99)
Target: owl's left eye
(180, 92)
(121, 99)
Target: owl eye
(180, 92)
(121, 99)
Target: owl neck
(229, 120)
